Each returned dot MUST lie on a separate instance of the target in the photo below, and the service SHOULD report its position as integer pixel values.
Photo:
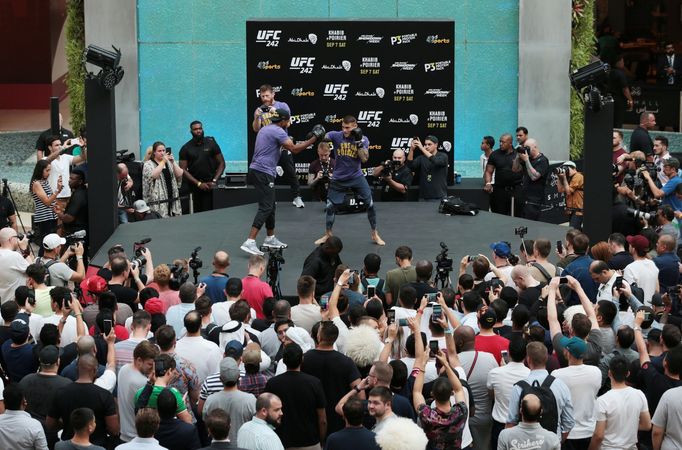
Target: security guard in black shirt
(202, 162)
(507, 182)
(395, 176)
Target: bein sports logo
(303, 64)
(265, 65)
(337, 92)
(268, 37)
(372, 119)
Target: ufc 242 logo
(336, 91)
(370, 118)
(400, 142)
(269, 37)
(304, 64)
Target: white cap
(140, 206)
(52, 241)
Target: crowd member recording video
(535, 167)
(431, 168)
(395, 178)
(160, 180)
(571, 183)
(321, 170)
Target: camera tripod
(275, 261)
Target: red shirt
(492, 344)
(254, 291)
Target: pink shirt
(254, 292)
(169, 298)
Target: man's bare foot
(324, 238)
(376, 238)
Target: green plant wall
(75, 79)
(583, 47)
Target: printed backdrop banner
(396, 77)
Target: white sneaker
(249, 246)
(298, 202)
(273, 242)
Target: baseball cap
(52, 241)
(279, 115)
(140, 206)
(569, 164)
(638, 242)
(488, 318)
(234, 349)
(154, 306)
(229, 370)
(501, 249)
(657, 300)
(97, 285)
(575, 346)
(18, 331)
(252, 356)
(48, 355)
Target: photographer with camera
(122, 271)
(431, 168)
(667, 192)
(571, 183)
(59, 273)
(396, 177)
(535, 167)
(12, 261)
(320, 171)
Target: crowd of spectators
(575, 348)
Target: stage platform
(418, 225)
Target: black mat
(418, 225)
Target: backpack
(457, 207)
(550, 414)
(47, 265)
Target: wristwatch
(637, 328)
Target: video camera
(523, 149)
(121, 156)
(443, 263)
(179, 276)
(390, 168)
(73, 238)
(138, 248)
(520, 231)
(194, 262)
(644, 166)
(275, 254)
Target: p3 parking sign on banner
(396, 77)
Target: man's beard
(271, 421)
(198, 138)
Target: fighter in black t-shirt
(203, 163)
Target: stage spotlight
(108, 61)
(587, 79)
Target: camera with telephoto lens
(443, 263)
(561, 170)
(523, 149)
(638, 214)
(139, 260)
(179, 276)
(194, 262)
(390, 168)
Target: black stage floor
(418, 225)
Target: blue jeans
(122, 215)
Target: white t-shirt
(306, 316)
(107, 380)
(69, 333)
(221, 312)
(203, 354)
(645, 273)
(584, 382)
(13, 273)
(61, 166)
(620, 408)
(430, 372)
(484, 163)
(501, 380)
(669, 417)
(506, 271)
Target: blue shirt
(175, 317)
(668, 270)
(347, 160)
(669, 197)
(579, 269)
(562, 396)
(267, 149)
(215, 287)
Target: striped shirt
(124, 351)
(43, 213)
